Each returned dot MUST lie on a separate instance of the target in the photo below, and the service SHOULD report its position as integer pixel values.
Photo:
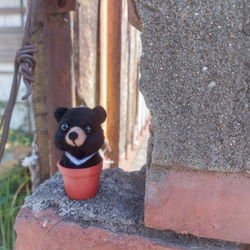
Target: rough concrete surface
(118, 207)
(195, 77)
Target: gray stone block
(195, 77)
(118, 207)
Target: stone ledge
(113, 219)
(206, 204)
(120, 200)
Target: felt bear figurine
(79, 135)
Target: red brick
(206, 204)
(44, 230)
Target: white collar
(76, 161)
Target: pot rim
(78, 172)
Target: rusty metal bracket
(58, 56)
(133, 17)
(60, 6)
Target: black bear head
(79, 130)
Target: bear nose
(73, 136)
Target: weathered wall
(195, 80)
(113, 219)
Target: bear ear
(100, 113)
(58, 114)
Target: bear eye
(64, 127)
(87, 129)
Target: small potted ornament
(80, 136)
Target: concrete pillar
(195, 80)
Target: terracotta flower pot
(82, 183)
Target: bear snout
(75, 137)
